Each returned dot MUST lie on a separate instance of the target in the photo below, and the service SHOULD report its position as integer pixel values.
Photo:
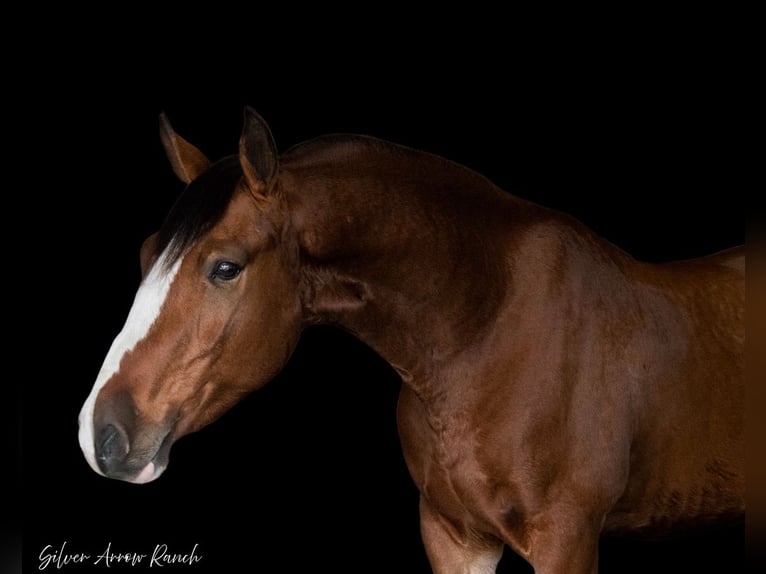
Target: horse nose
(112, 448)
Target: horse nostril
(111, 447)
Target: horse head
(217, 313)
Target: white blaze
(145, 310)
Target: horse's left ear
(257, 153)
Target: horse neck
(400, 248)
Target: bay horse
(554, 388)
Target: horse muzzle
(118, 444)
(116, 459)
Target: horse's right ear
(187, 161)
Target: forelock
(199, 207)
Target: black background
(630, 137)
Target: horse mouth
(148, 474)
(156, 465)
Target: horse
(554, 387)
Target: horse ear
(187, 161)
(257, 152)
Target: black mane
(199, 207)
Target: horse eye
(225, 271)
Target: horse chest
(442, 465)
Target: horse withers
(554, 388)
